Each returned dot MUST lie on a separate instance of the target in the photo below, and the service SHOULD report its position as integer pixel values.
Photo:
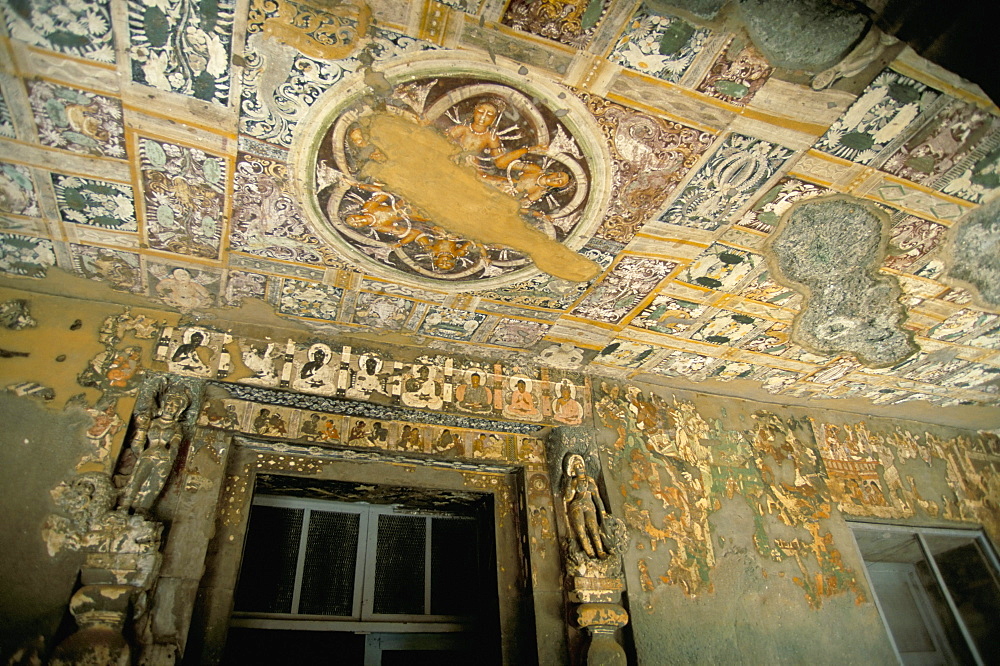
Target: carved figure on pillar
(154, 447)
(584, 507)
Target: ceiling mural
(616, 189)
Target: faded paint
(420, 166)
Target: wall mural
(666, 150)
(676, 467)
(435, 383)
(538, 182)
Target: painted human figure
(366, 379)
(478, 138)
(522, 403)
(181, 291)
(527, 180)
(186, 356)
(384, 214)
(420, 390)
(155, 446)
(315, 375)
(567, 409)
(475, 397)
(584, 507)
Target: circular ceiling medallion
(448, 173)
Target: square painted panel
(121, 270)
(95, 202)
(309, 299)
(884, 111)
(660, 46)
(24, 256)
(80, 28)
(77, 120)
(182, 46)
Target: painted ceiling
(694, 190)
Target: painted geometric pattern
(630, 281)
(78, 28)
(571, 22)
(660, 46)
(280, 84)
(77, 120)
(182, 46)
(122, 270)
(6, 123)
(95, 202)
(17, 191)
(884, 111)
(183, 193)
(309, 299)
(25, 256)
(736, 171)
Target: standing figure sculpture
(155, 445)
(584, 507)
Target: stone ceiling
(701, 190)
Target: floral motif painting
(25, 256)
(77, 120)
(519, 333)
(17, 190)
(184, 200)
(571, 22)
(660, 46)
(734, 173)
(182, 46)
(309, 299)
(885, 109)
(80, 28)
(6, 122)
(623, 288)
(95, 202)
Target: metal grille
(329, 571)
(267, 577)
(399, 565)
(454, 575)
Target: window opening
(936, 589)
(358, 561)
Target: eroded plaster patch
(830, 250)
(975, 252)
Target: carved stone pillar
(602, 621)
(100, 612)
(593, 543)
